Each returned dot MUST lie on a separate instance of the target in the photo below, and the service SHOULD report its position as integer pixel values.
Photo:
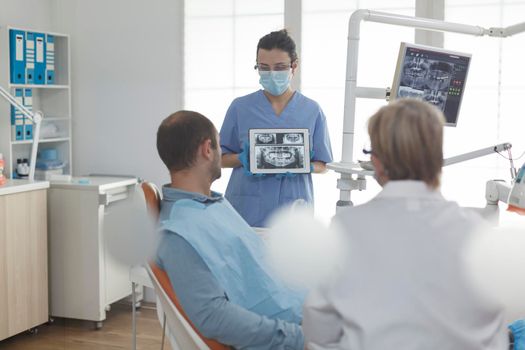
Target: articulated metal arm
(476, 154)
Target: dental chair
(184, 332)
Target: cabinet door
(25, 255)
(4, 329)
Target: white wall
(27, 14)
(126, 77)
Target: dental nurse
(255, 197)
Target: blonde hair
(407, 137)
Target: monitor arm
(352, 176)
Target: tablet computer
(277, 151)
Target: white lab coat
(403, 285)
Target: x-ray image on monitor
(279, 151)
(433, 75)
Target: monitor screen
(432, 74)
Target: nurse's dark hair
(179, 137)
(407, 137)
(278, 40)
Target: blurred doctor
(403, 285)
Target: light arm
(36, 118)
(514, 29)
(497, 191)
(513, 194)
(476, 154)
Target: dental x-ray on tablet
(275, 151)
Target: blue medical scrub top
(256, 197)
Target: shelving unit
(54, 100)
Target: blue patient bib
(235, 255)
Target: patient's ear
(380, 173)
(206, 149)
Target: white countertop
(17, 186)
(94, 183)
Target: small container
(22, 168)
(26, 166)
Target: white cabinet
(23, 256)
(84, 277)
(53, 99)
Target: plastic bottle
(18, 167)
(2, 177)
(26, 166)
(22, 168)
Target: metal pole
(133, 317)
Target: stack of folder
(28, 123)
(17, 44)
(32, 57)
(50, 59)
(21, 126)
(17, 118)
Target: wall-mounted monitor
(434, 75)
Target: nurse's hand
(244, 158)
(316, 166)
(312, 168)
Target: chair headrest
(153, 197)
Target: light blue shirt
(255, 198)
(205, 300)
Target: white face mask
(275, 82)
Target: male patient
(214, 260)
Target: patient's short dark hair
(179, 137)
